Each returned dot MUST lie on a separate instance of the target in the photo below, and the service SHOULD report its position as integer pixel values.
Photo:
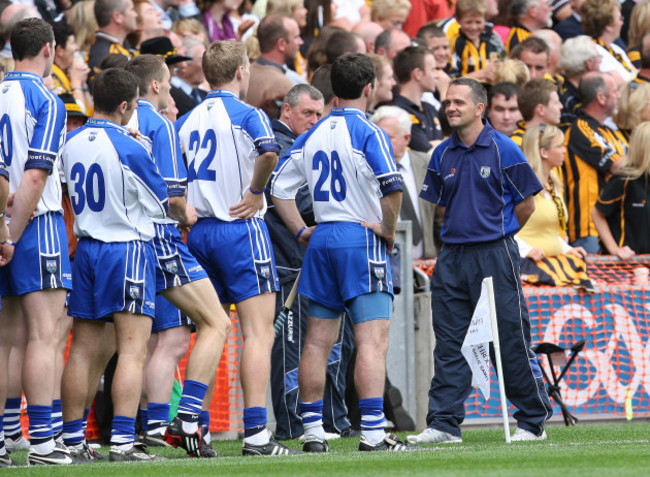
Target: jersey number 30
(87, 188)
(329, 167)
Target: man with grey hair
(528, 16)
(189, 75)
(301, 109)
(413, 166)
(578, 56)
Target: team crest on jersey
(265, 271)
(92, 136)
(50, 266)
(172, 266)
(134, 292)
(379, 272)
(210, 106)
(5, 89)
(485, 172)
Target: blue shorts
(40, 260)
(113, 277)
(168, 316)
(344, 260)
(175, 264)
(237, 256)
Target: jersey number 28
(329, 167)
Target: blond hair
(82, 20)
(283, 6)
(221, 61)
(383, 8)
(531, 145)
(637, 162)
(639, 23)
(191, 27)
(512, 71)
(634, 98)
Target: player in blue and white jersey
(5, 459)
(33, 285)
(115, 190)
(231, 151)
(180, 279)
(348, 165)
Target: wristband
(256, 192)
(300, 232)
(3, 214)
(13, 244)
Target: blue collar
(105, 123)
(15, 75)
(484, 139)
(220, 93)
(347, 111)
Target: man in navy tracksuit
(486, 187)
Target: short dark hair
(350, 74)
(431, 30)
(322, 81)
(62, 31)
(533, 93)
(534, 44)
(590, 85)
(477, 93)
(505, 89)
(407, 60)
(113, 86)
(340, 43)
(383, 40)
(270, 30)
(104, 10)
(29, 36)
(146, 68)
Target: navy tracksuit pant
(456, 287)
(285, 357)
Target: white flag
(476, 347)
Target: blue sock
(204, 421)
(57, 418)
(40, 423)
(11, 418)
(373, 420)
(85, 420)
(158, 416)
(73, 433)
(3, 451)
(312, 418)
(123, 432)
(254, 420)
(144, 418)
(191, 402)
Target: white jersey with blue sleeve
(221, 138)
(114, 185)
(161, 139)
(348, 164)
(32, 132)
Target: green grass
(594, 450)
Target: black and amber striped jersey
(641, 79)
(466, 57)
(518, 33)
(518, 134)
(625, 204)
(568, 93)
(104, 45)
(592, 148)
(634, 55)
